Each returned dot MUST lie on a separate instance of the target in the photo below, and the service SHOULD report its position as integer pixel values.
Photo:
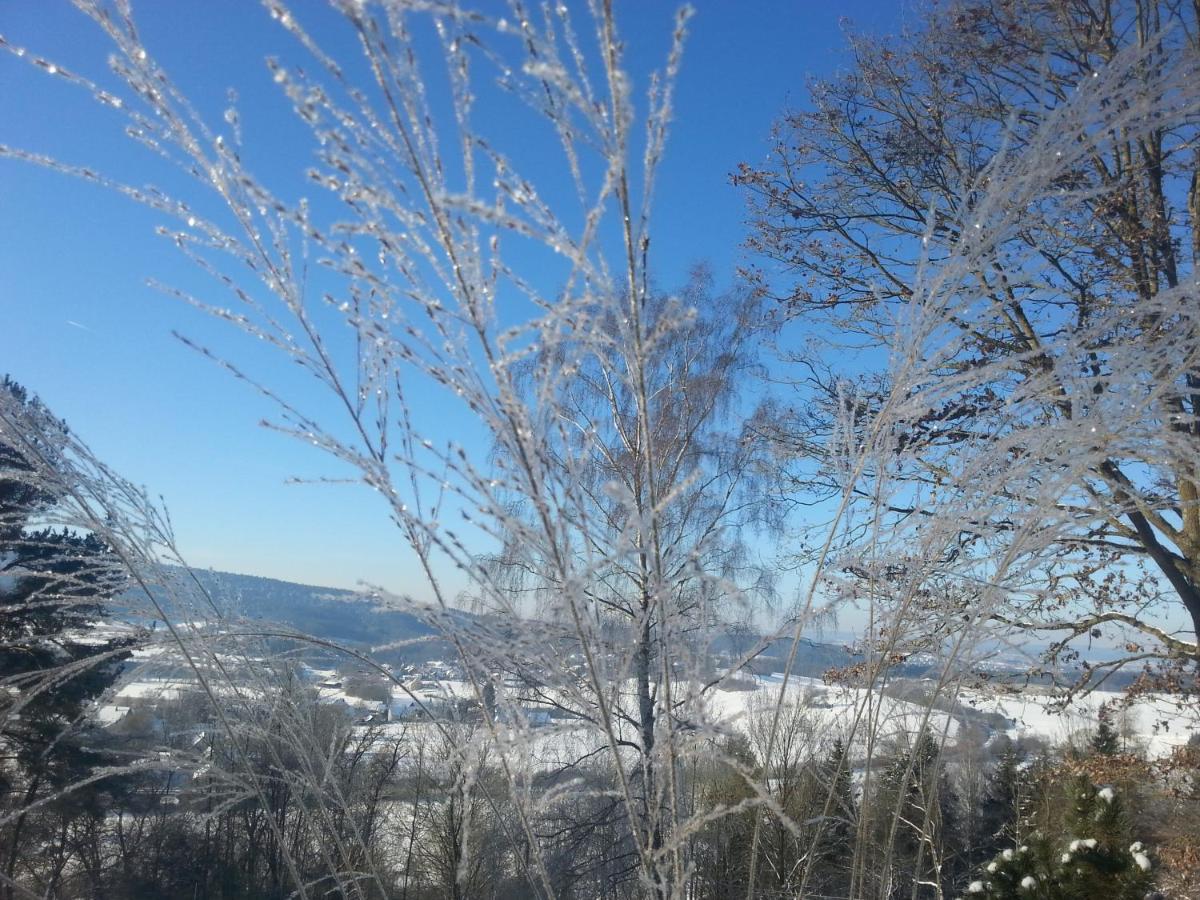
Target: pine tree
(53, 583)
(723, 855)
(1000, 812)
(840, 828)
(1103, 862)
(1106, 741)
(1092, 857)
(915, 785)
(836, 845)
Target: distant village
(407, 692)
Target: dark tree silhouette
(53, 660)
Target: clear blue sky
(82, 329)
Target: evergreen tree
(836, 845)
(1106, 741)
(1092, 857)
(1000, 812)
(723, 845)
(53, 583)
(924, 851)
(1103, 862)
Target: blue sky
(83, 330)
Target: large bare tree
(884, 177)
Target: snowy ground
(849, 713)
(1153, 724)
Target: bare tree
(896, 165)
(604, 467)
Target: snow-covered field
(1153, 724)
(852, 714)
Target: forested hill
(364, 620)
(361, 619)
(334, 614)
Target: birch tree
(602, 463)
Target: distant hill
(334, 613)
(341, 616)
(813, 658)
(363, 620)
